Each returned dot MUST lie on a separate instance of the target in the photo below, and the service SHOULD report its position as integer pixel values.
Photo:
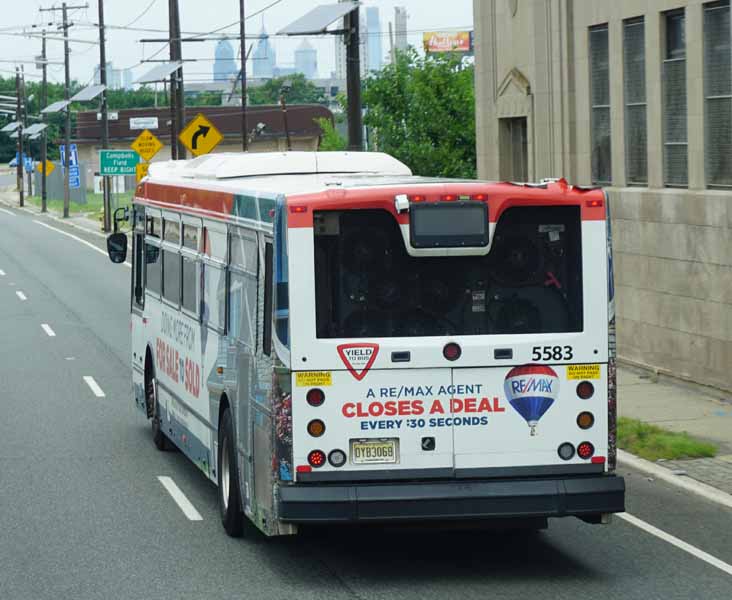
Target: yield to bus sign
(118, 162)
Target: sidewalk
(9, 197)
(678, 406)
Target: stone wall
(673, 279)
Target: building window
(634, 84)
(676, 168)
(600, 101)
(718, 94)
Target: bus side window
(243, 288)
(138, 296)
(153, 269)
(171, 276)
(282, 297)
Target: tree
(422, 111)
(301, 91)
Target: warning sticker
(313, 379)
(583, 371)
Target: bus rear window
(367, 285)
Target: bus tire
(151, 389)
(229, 496)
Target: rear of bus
(452, 354)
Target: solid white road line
(78, 239)
(674, 541)
(47, 328)
(180, 499)
(686, 483)
(7, 212)
(21, 295)
(94, 386)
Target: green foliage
(301, 91)
(422, 111)
(331, 140)
(653, 443)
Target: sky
(124, 48)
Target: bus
(331, 339)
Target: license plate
(369, 452)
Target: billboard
(448, 41)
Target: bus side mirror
(117, 247)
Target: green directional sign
(118, 162)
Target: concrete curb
(690, 485)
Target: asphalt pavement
(84, 515)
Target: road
(84, 515)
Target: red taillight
(417, 198)
(303, 469)
(594, 203)
(585, 450)
(585, 390)
(316, 458)
(299, 208)
(480, 197)
(451, 351)
(449, 197)
(598, 460)
(315, 397)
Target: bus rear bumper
(435, 500)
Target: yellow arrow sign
(146, 145)
(200, 136)
(141, 170)
(49, 167)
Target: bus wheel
(229, 498)
(151, 389)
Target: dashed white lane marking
(674, 541)
(2, 273)
(94, 386)
(180, 499)
(78, 239)
(47, 328)
(21, 295)
(7, 212)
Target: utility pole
(44, 134)
(353, 80)
(25, 121)
(19, 131)
(67, 124)
(107, 223)
(243, 50)
(67, 93)
(177, 105)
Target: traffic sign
(146, 145)
(200, 136)
(142, 169)
(49, 167)
(118, 162)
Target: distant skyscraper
(373, 39)
(224, 66)
(264, 58)
(340, 50)
(306, 60)
(400, 28)
(98, 74)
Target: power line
(142, 14)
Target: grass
(653, 443)
(93, 208)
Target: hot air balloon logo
(531, 390)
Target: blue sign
(74, 175)
(28, 164)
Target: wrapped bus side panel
(612, 388)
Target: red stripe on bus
(499, 197)
(212, 201)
